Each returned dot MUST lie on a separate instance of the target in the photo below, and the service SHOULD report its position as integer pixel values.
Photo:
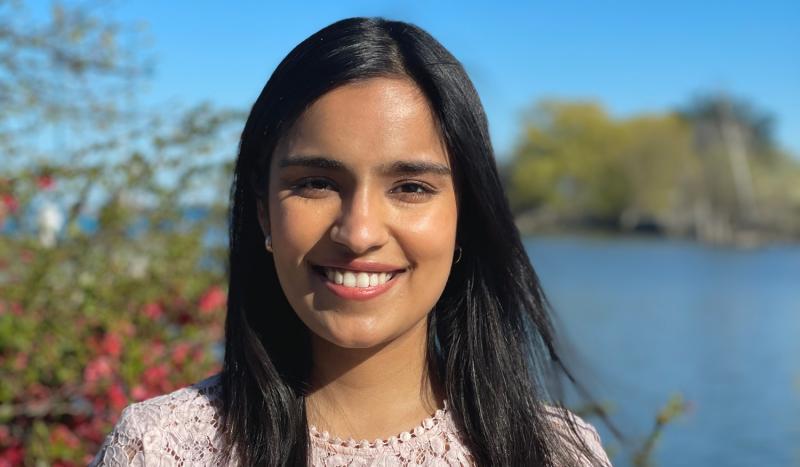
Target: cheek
(429, 242)
(297, 226)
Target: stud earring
(458, 252)
(268, 243)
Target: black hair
(490, 337)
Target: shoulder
(179, 427)
(587, 434)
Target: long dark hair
(490, 338)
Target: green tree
(567, 161)
(712, 171)
(577, 161)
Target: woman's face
(362, 213)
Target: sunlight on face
(362, 212)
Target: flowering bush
(103, 303)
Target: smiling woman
(378, 286)
(382, 200)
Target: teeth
(349, 279)
(362, 279)
(357, 279)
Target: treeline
(710, 170)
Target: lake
(651, 318)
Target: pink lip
(357, 293)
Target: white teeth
(357, 279)
(349, 279)
(362, 279)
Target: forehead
(368, 121)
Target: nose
(361, 225)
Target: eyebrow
(395, 168)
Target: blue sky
(632, 56)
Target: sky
(632, 56)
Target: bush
(103, 303)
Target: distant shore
(723, 235)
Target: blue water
(651, 318)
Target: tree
(579, 162)
(710, 171)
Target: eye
(414, 191)
(313, 187)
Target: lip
(358, 293)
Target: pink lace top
(181, 429)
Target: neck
(375, 392)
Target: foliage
(705, 171)
(127, 304)
(111, 276)
(579, 161)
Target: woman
(376, 279)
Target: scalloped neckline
(423, 427)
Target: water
(720, 326)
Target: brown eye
(412, 188)
(313, 186)
(414, 191)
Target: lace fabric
(434, 442)
(183, 429)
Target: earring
(268, 243)
(458, 252)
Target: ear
(263, 217)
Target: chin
(361, 330)
(355, 338)
(356, 343)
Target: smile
(356, 285)
(355, 278)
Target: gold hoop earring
(458, 251)
(268, 243)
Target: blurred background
(651, 153)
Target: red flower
(45, 182)
(97, 369)
(153, 310)
(155, 375)
(116, 397)
(10, 202)
(12, 456)
(111, 345)
(139, 393)
(213, 299)
(180, 352)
